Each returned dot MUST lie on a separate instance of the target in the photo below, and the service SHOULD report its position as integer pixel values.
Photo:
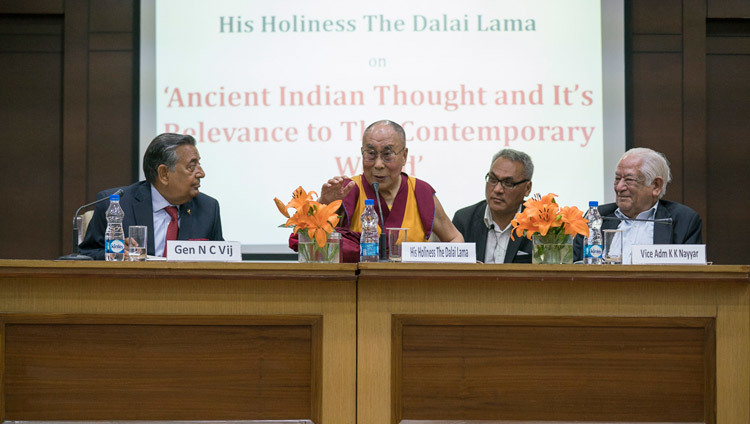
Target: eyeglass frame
(629, 181)
(380, 154)
(506, 183)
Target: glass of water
(396, 236)
(612, 246)
(137, 236)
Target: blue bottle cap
(593, 203)
(114, 197)
(369, 202)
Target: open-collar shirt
(497, 239)
(635, 232)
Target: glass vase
(552, 249)
(309, 251)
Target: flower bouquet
(313, 223)
(551, 229)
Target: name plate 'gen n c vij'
(204, 251)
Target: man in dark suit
(169, 196)
(487, 223)
(641, 181)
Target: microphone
(655, 221)
(76, 255)
(383, 238)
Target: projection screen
(277, 95)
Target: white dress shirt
(497, 239)
(161, 220)
(635, 232)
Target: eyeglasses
(387, 155)
(629, 181)
(507, 183)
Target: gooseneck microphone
(383, 253)
(667, 221)
(76, 255)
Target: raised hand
(335, 189)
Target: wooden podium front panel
(178, 341)
(169, 371)
(559, 322)
(553, 368)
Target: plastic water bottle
(114, 237)
(368, 242)
(592, 245)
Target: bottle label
(368, 249)
(593, 251)
(114, 246)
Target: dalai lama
(406, 202)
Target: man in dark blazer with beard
(487, 223)
(169, 196)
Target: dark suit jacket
(470, 222)
(199, 218)
(685, 229)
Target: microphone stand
(655, 221)
(383, 250)
(76, 255)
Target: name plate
(439, 252)
(672, 254)
(204, 251)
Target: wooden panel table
(497, 343)
(177, 341)
(398, 343)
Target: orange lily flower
(316, 219)
(281, 206)
(545, 215)
(523, 224)
(539, 204)
(299, 198)
(574, 222)
(547, 218)
(301, 218)
(322, 220)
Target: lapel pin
(188, 211)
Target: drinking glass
(612, 246)
(137, 236)
(396, 236)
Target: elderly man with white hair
(641, 181)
